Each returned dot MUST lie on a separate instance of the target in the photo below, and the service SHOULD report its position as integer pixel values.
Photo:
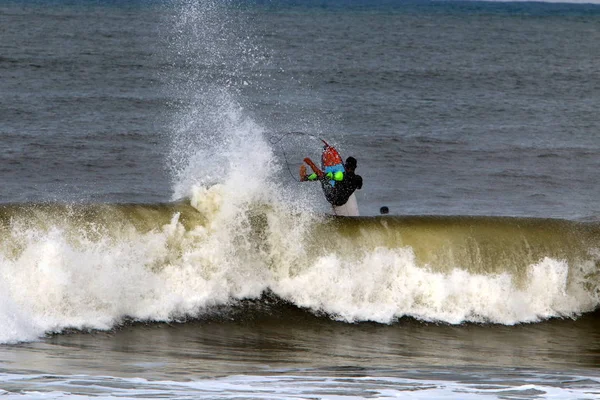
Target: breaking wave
(92, 266)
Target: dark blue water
(451, 108)
(79, 104)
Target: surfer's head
(350, 164)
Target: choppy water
(156, 244)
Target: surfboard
(331, 161)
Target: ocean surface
(156, 243)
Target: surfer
(338, 185)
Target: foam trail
(286, 385)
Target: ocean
(157, 243)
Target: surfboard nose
(331, 156)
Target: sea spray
(213, 136)
(217, 64)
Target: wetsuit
(339, 194)
(337, 186)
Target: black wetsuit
(339, 194)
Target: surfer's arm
(318, 174)
(316, 170)
(306, 177)
(337, 176)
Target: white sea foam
(298, 386)
(387, 284)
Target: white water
(60, 280)
(299, 386)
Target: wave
(240, 233)
(94, 266)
